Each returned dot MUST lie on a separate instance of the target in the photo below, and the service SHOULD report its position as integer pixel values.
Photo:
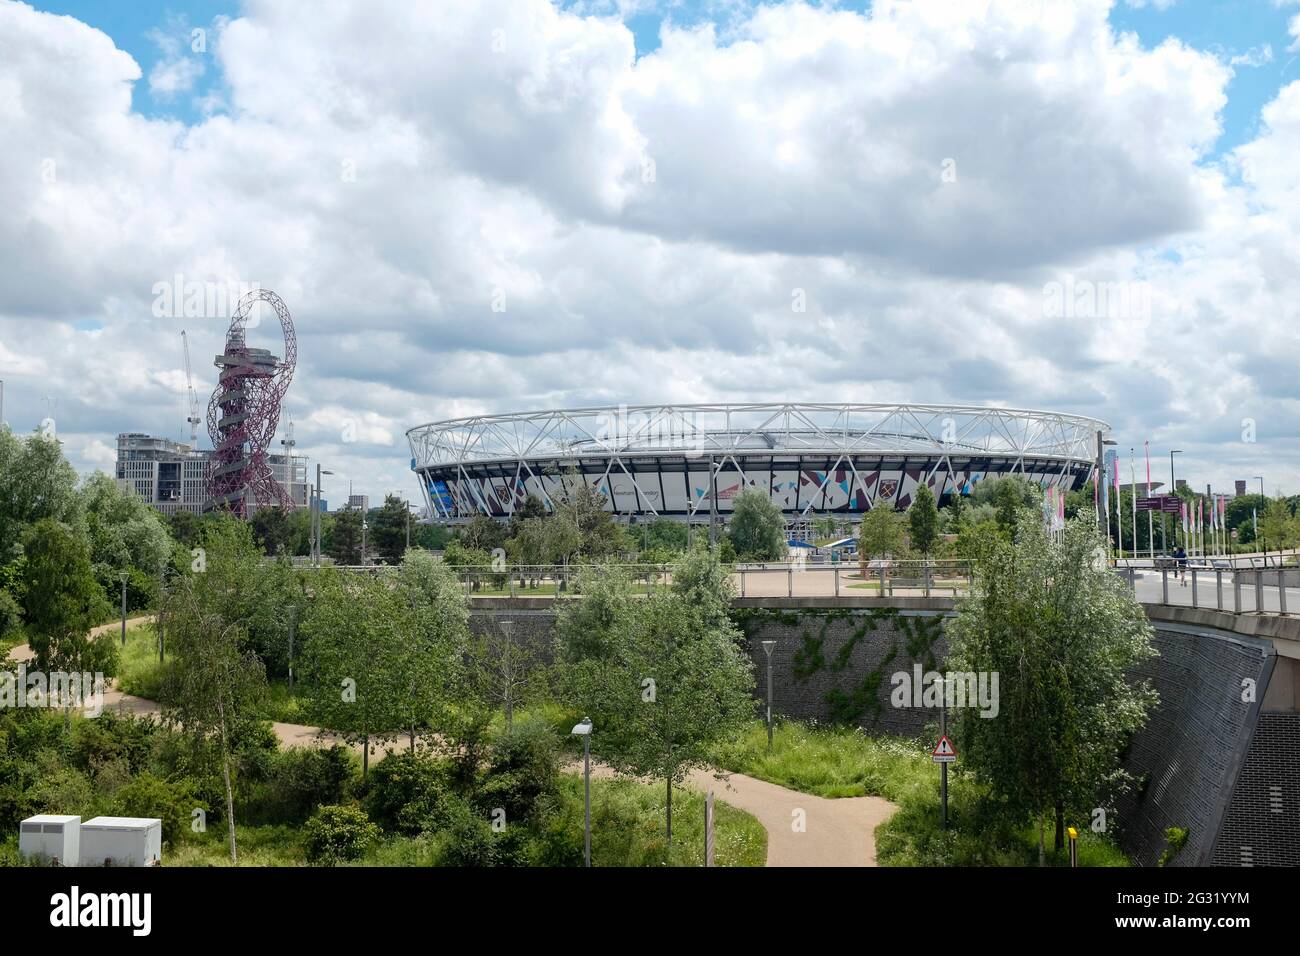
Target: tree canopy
(757, 527)
(1063, 633)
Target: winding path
(802, 829)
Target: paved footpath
(838, 832)
(802, 830)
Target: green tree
(36, 482)
(1239, 515)
(582, 508)
(389, 528)
(704, 583)
(506, 668)
(62, 601)
(360, 659)
(532, 507)
(665, 535)
(258, 594)
(482, 533)
(923, 520)
(531, 543)
(956, 515)
(438, 642)
(430, 537)
(272, 530)
(993, 490)
(214, 682)
(344, 544)
(1064, 635)
(663, 680)
(185, 527)
(1277, 524)
(125, 535)
(757, 527)
(1010, 505)
(881, 533)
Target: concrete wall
(834, 664)
(1186, 758)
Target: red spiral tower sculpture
(244, 412)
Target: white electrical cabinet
(50, 838)
(121, 841)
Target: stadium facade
(688, 462)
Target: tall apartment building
(359, 503)
(171, 475)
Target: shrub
(410, 793)
(101, 655)
(337, 834)
(470, 841)
(110, 738)
(150, 796)
(292, 783)
(60, 789)
(1175, 840)
(11, 618)
(523, 769)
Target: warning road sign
(944, 752)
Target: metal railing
(1238, 591)
(1235, 590)
(776, 579)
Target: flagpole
(1119, 513)
(1133, 495)
(1151, 518)
(1103, 483)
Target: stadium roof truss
(538, 442)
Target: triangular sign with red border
(944, 752)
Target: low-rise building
(172, 476)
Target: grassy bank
(139, 673)
(845, 762)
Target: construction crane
(191, 397)
(288, 443)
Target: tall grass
(829, 761)
(138, 671)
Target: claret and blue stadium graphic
(688, 461)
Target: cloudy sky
(491, 205)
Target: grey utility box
(121, 841)
(50, 838)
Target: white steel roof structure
(488, 463)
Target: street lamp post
(583, 730)
(767, 649)
(293, 628)
(1173, 490)
(162, 604)
(508, 672)
(316, 517)
(123, 578)
(1103, 522)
